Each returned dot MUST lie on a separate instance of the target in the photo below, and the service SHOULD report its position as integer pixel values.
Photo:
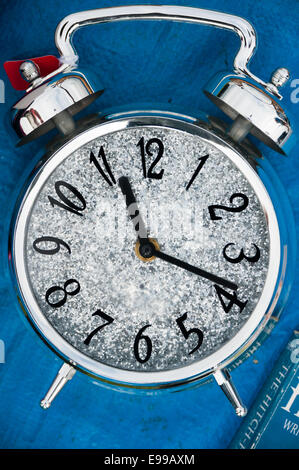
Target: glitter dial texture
(94, 279)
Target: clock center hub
(145, 251)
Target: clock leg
(65, 373)
(223, 379)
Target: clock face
(85, 265)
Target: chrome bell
(52, 102)
(253, 108)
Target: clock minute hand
(147, 248)
(133, 210)
(193, 269)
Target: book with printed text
(273, 420)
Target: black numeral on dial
(38, 243)
(202, 161)
(251, 259)
(187, 333)
(141, 337)
(240, 208)
(106, 318)
(108, 176)
(65, 292)
(233, 299)
(148, 149)
(67, 203)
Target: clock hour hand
(133, 210)
(149, 250)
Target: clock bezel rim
(67, 351)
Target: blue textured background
(137, 62)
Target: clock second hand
(147, 249)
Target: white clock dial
(80, 249)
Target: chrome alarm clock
(149, 248)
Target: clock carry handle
(250, 102)
(69, 25)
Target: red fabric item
(46, 64)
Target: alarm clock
(148, 248)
